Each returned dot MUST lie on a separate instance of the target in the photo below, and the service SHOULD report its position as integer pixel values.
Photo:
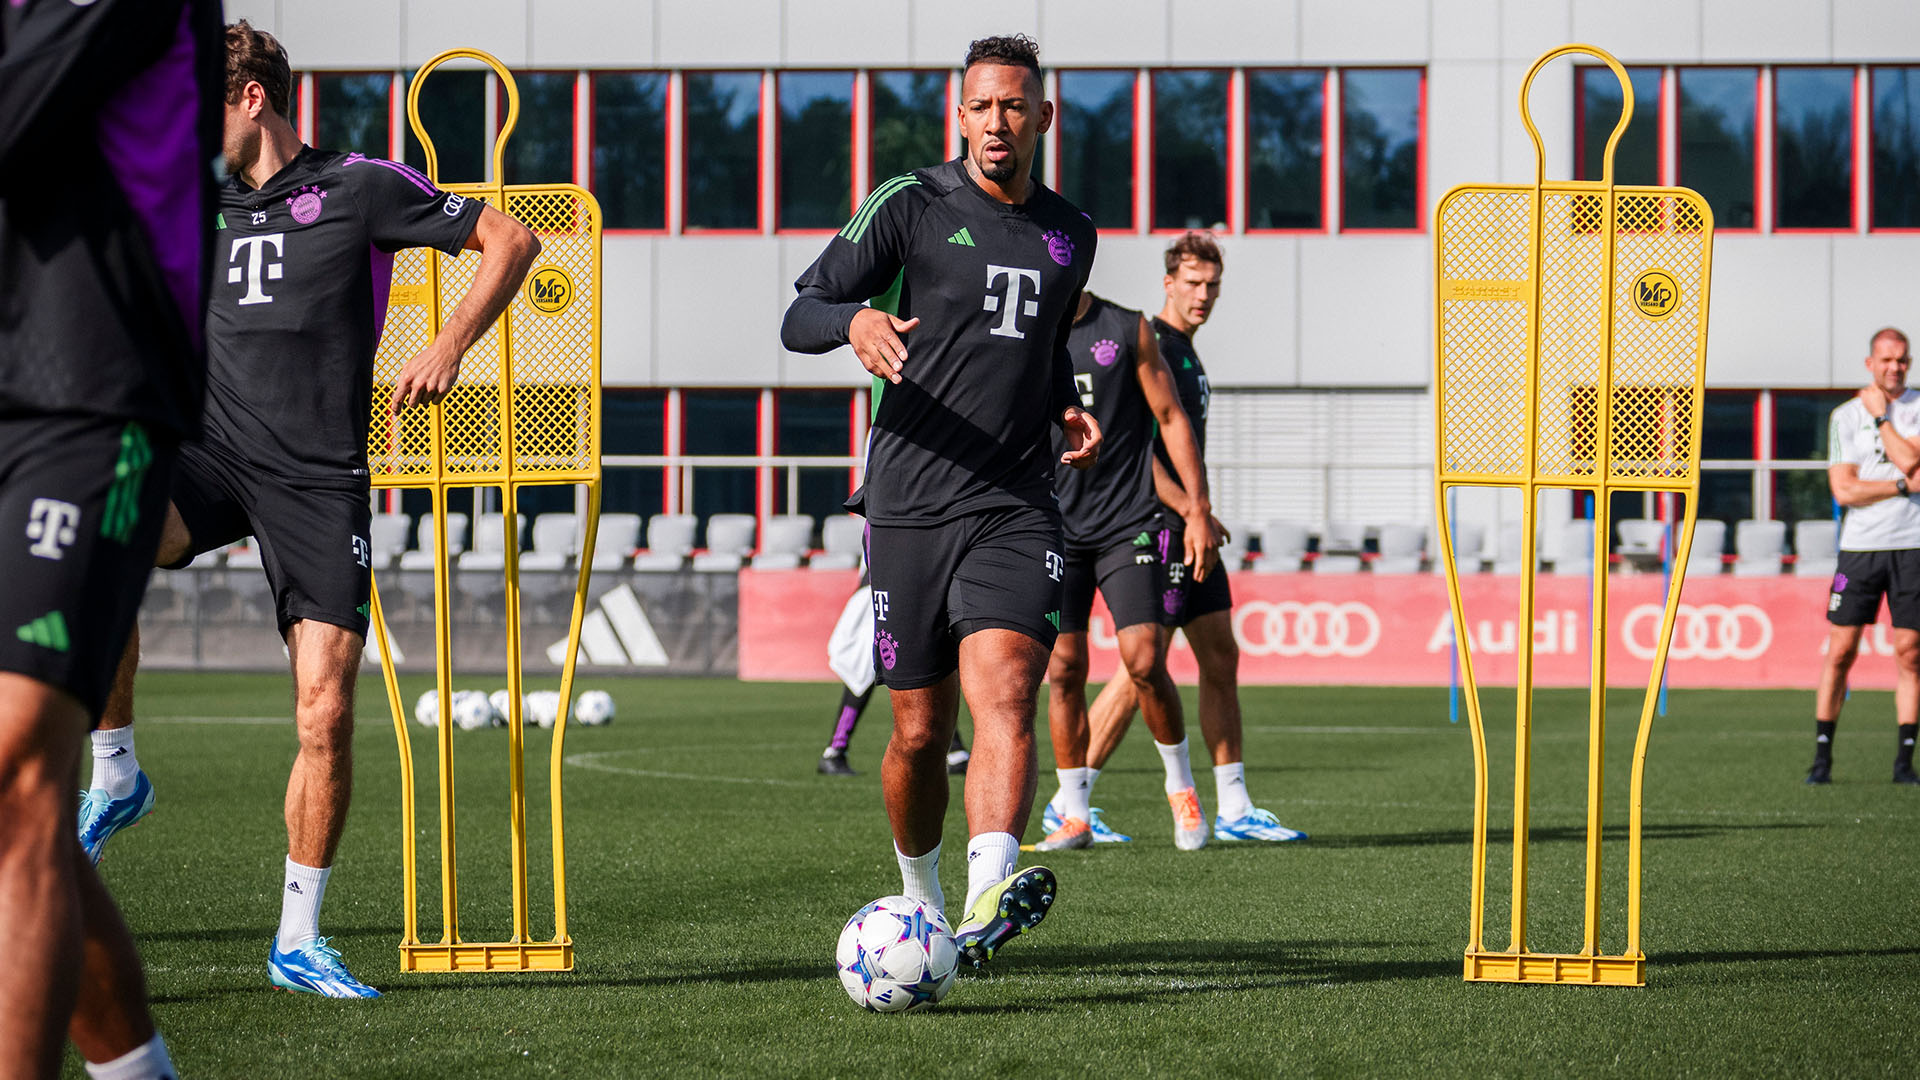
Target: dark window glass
(813, 422)
(1380, 149)
(1726, 494)
(1728, 426)
(1286, 129)
(630, 148)
(816, 148)
(633, 491)
(1189, 149)
(1637, 159)
(1716, 140)
(722, 491)
(1800, 423)
(1813, 148)
(823, 493)
(453, 110)
(1896, 148)
(546, 499)
(540, 150)
(722, 149)
(634, 421)
(908, 122)
(351, 113)
(721, 422)
(1096, 145)
(1802, 494)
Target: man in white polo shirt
(1873, 456)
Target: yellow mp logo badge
(1656, 294)
(550, 290)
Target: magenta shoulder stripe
(402, 168)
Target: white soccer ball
(426, 711)
(897, 955)
(594, 708)
(472, 711)
(542, 708)
(500, 699)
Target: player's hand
(1083, 438)
(875, 337)
(1202, 543)
(426, 378)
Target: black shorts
(1183, 599)
(313, 540)
(1863, 576)
(935, 584)
(1127, 572)
(82, 499)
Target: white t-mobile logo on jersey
(1015, 305)
(249, 271)
(50, 523)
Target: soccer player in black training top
(109, 121)
(304, 253)
(974, 271)
(1202, 608)
(1117, 539)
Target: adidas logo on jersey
(49, 631)
(963, 238)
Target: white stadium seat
(554, 542)
(1816, 550)
(1758, 546)
(614, 540)
(1282, 544)
(490, 542)
(669, 542)
(421, 557)
(1709, 540)
(729, 542)
(785, 543)
(844, 536)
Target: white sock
(1072, 801)
(991, 858)
(1179, 772)
(1092, 775)
(300, 904)
(114, 767)
(1230, 791)
(148, 1061)
(920, 877)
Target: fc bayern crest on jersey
(1105, 352)
(1060, 246)
(305, 204)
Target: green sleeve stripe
(879, 391)
(857, 228)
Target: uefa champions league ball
(897, 955)
(594, 708)
(426, 711)
(472, 711)
(542, 708)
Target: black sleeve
(860, 262)
(403, 209)
(60, 61)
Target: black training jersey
(1116, 495)
(298, 307)
(1190, 379)
(109, 126)
(994, 287)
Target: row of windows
(1285, 119)
(1715, 136)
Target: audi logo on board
(1703, 632)
(1318, 628)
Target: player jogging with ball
(974, 272)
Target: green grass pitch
(710, 870)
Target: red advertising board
(1396, 630)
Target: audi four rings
(1704, 632)
(1319, 628)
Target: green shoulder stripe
(863, 217)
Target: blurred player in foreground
(109, 119)
(1873, 446)
(306, 238)
(974, 271)
(1118, 539)
(1202, 608)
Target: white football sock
(148, 1061)
(1071, 802)
(991, 858)
(920, 877)
(1179, 772)
(114, 767)
(300, 904)
(1230, 791)
(1093, 774)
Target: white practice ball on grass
(594, 708)
(426, 711)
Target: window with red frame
(907, 122)
(1286, 147)
(1636, 160)
(1813, 147)
(1717, 140)
(540, 150)
(1096, 145)
(352, 112)
(1189, 149)
(1896, 147)
(813, 423)
(629, 124)
(722, 159)
(453, 110)
(1380, 149)
(816, 148)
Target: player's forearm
(815, 323)
(1854, 494)
(1901, 452)
(1168, 489)
(503, 266)
(1177, 434)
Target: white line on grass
(592, 761)
(250, 720)
(1538, 736)
(1669, 816)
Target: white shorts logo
(1319, 629)
(50, 523)
(1706, 632)
(1056, 566)
(880, 604)
(362, 552)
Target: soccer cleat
(314, 968)
(957, 762)
(834, 763)
(1258, 825)
(102, 815)
(1050, 819)
(1074, 834)
(1821, 773)
(1004, 912)
(1189, 824)
(1102, 832)
(1903, 773)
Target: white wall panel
(1252, 32)
(942, 28)
(1127, 270)
(591, 33)
(716, 313)
(1131, 32)
(1465, 30)
(1641, 29)
(1363, 310)
(1876, 30)
(342, 34)
(847, 33)
(1768, 326)
(434, 26)
(1531, 27)
(627, 307)
(1731, 31)
(1552, 106)
(1873, 286)
(1253, 338)
(837, 368)
(721, 33)
(1464, 105)
(1364, 31)
(262, 14)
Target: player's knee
(917, 739)
(1068, 669)
(1907, 654)
(33, 798)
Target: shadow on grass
(1577, 834)
(1761, 956)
